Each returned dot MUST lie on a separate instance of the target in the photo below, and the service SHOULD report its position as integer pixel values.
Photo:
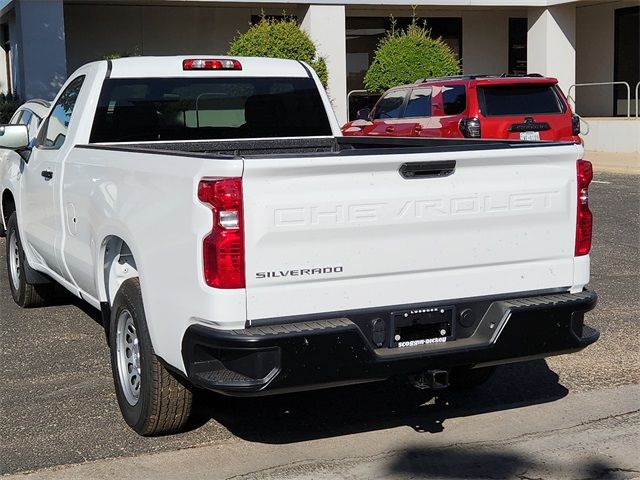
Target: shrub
(114, 55)
(9, 103)
(404, 56)
(279, 38)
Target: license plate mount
(422, 326)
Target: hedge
(404, 56)
(279, 38)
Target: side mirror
(363, 114)
(14, 137)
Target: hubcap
(128, 357)
(14, 261)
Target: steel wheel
(14, 261)
(128, 357)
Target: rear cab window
(165, 109)
(506, 100)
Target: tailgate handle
(428, 170)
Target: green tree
(9, 103)
(279, 38)
(403, 56)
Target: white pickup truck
(235, 242)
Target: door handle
(389, 129)
(47, 174)
(427, 169)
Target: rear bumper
(339, 350)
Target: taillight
(223, 247)
(211, 64)
(470, 127)
(584, 219)
(575, 125)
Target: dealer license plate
(422, 326)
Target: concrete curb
(625, 163)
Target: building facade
(585, 41)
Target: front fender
(11, 167)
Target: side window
(390, 106)
(25, 118)
(33, 125)
(454, 99)
(419, 104)
(15, 119)
(54, 132)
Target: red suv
(503, 107)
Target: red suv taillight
(223, 248)
(575, 125)
(584, 219)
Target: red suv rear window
(520, 100)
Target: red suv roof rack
(473, 77)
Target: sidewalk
(583, 435)
(626, 163)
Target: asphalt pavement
(57, 404)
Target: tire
(25, 294)
(462, 378)
(153, 401)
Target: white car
(234, 241)
(31, 114)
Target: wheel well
(8, 206)
(118, 265)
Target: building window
(364, 33)
(518, 46)
(450, 29)
(6, 46)
(626, 63)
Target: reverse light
(584, 218)
(470, 127)
(223, 247)
(211, 64)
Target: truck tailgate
(344, 232)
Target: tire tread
(170, 400)
(29, 295)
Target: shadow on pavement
(460, 462)
(318, 414)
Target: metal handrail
(597, 84)
(637, 85)
(356, 91)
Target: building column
(551, 43)
(325, 24)
(41, 64)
